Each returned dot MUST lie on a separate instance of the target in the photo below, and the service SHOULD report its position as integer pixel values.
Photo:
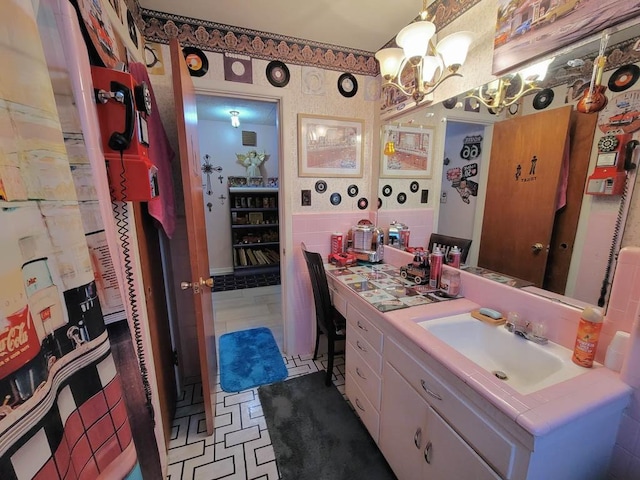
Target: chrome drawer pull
(362, 327)
(359, 345)
(427, 453)
(358, 405)
(417, 438)
(360, 374)
(430, 392)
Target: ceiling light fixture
(431, 64)
(235, 119)
(507, 90)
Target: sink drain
(501, 375)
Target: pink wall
(624, 314)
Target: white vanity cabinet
(363, 364)
(418, 443)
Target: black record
(379, 202)
(196, 61)
(321, 186)
(450, 103)
(387, 190)
(402, 197)
(624, 77)
(363, 203)
(352, 190)
(277, 73)
(335, 199)
(543, 99)
(347, 85)
(414, 187)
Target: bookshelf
(255, 239)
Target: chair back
(321, 295)
(446, 243)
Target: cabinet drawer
(496, 449)
(366, 351)
(363, 408)
(368, 381)
(356, 321)
(339, 301)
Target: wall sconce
(431, 64)
(235, 118)
(507, 90)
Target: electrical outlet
(306, 198)
(424, 197)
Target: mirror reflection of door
(522, 193)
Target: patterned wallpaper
(159, 27)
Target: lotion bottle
(587, 337)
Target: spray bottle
(587, 337)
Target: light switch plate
(306, 198)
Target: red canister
(336, 242)
(435, 265)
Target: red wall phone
(123, 107)
(615, 154)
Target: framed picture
(530, 31)
(406, 152)
(255, 218)
(329, 146)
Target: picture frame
(256, 218)
(330, 146)
(411, 155)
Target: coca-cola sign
(19, 342)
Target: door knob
(208, 282)
(537, 247)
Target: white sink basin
(525, 365)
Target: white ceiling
(360, 24)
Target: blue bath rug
(250, 358)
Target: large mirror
(465, 194)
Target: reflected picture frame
(407, 152)
(330, 146)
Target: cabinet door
(448, 457)
(403, 426)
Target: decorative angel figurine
(252, 161)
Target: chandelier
(507, 90)
(431, 63)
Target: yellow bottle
(587, 337)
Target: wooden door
(520, 206)
(187, 126)
(583, 128)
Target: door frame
(284, 206)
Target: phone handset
(628, 155)
(121, 140)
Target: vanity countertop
(538, 412)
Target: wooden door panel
(526, 158)
(187, 126)
(566, 223)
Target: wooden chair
(446, 243)
(328, 320)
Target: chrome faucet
(524, 329)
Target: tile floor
(240, 448)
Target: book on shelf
(243, 257)
(252, 257)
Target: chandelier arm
(431, 88)
(391, 83)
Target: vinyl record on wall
(623, 78)
(352, 190)
(387, 190)
(450, 103)
(196, 61)
(278, 74)
(414, 187)
(347, 85)
(321, 186)
(543, 99)
(363, 203)
(335, 198)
